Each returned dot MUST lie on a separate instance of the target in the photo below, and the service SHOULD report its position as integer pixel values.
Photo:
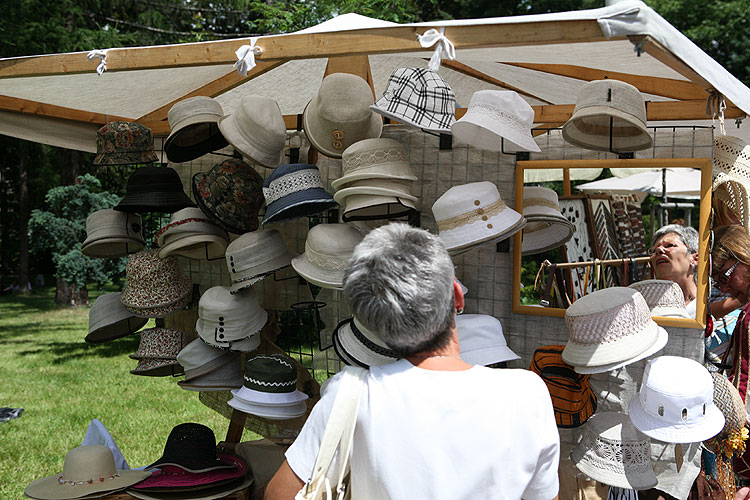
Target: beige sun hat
(193, 235)
(194, 129)
(109, 320)
(374, 159)
(328, 248)
(87, 471)
(383, 187)
(731, 175)
(664, 297)
(358, 207)
(255, 255)
(256, 129)
(546, 227)
(339, 115)
(209, 368)
(610, 115)
(230, 321)
(111, 233)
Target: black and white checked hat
(418, 97)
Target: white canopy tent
(684, 183)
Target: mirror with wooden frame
(595, 236)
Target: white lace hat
(494, 115)
(255, 255)
(546, 226)
(675, 402)
(230, 321)
(615, 453)
(191, 234)
(194, 129)
(731, 175)
(328, 248)
(256, 129)
(471, 215)
(374, 159)
(110, 234)
(482, 341)
(358, 346)
(664, 297)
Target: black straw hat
(154, 189)
(191, 447)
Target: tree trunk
(23, 215)
(70, 166)
(68, 295)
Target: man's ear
(458, 296)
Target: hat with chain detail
(154, 287)
(124, 143)
(256, 129)
(357, 345)
(157, 352)
(328, 248)
(230, 321)
(664, 297)
(471, 215)
(194, 129)
(109, 320)
(209, 368)
(191, 234)
(154, 189)
(546, 226)
(192, 447)
(112, 234)
(482, 341)
(230, 194)
(255, 255)
(293, 191)
(731, 176)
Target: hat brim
(218, 364)
(470, 236)
(661, 342)
(115, 330)
(269, 412)
(381, 173)
(627, 479)
(111, 248)
(376, 207)
(341, 195)
(380, 107)
(252, 396)
(610, 353)
(199, 247)
(557, 233)
(483, 133)
(311, 125)
(708, 427)
(232, 134)
(165, 483)
(154, 202)
(344, 356)
(158, 368)
(573, 134)
(49, 488)
(194, 137)
(222, 491)
(316, 275)
(299, 204)
(356, 349)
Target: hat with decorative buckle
(294, 191)
(157, 352)
(328, 248)
(374, 159)
(194, 129)
(546, 227)
(192, 235)
(112, 234)
(494, 116)
(109, 320)
(471, 215)
(124, 143)
(154, 287)
(231, 195)
(154, 189)
(255, 255)
(230, 321)
(482, 341)
(731, 176)
(610, 115)
(357, 345)
(192, 447)
(256, 129)
(209, 368)
(339, 115)
(664, 297)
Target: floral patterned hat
(124, 143)
(157, 352)
(154, 287)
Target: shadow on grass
(65, 351)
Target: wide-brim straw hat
(481, 339)
(376, 207)
(256, 129)
(111, 234)
(87, 471)
(664, 297)
(380, 158)
(731, 176)
(154, 189)
(328, 248)
(255, 255)
(546, 227)
(293, 191)
(361, 345)
(495, 115)
(191, 446)
(608, 111)
(216, 492)
(124, 143)
(194, 129)
(109, 320)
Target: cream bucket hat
(374, 159)
(255, 255)
(546, 227)
(110, 234)
(256, 129)
(230, 321)
(731, 176)
(328, 248)
(191, 234)
(109, 320)
(194, 129)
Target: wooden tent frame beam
(474, 73)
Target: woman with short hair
(674, 257)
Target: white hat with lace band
(374, 159)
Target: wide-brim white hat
(109, 320)
(661, 342)
(362, 345)
(271, 412)
(376, 207)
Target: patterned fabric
(159, 343)
(275, 373)
(124, 143)
(614, 324)
(300, 180)
(153, 283)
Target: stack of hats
(154, 287)
(731, 176)
(112, 234)
(230, 321)
(157, 352)
(481, 339)
(190, 234)
(472, 215)
(109, 320)
(124, 143)
(328, 248)
(664, 297)
(256, 129)
(253, 256)
(270, 389)
(377, 182)
(154, 189)
(209, 368)
(547, 227)
(194, 129)
(293, 191)
(355, 345)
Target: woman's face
(733, 277)
(670, 259)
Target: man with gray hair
(674, 257)
(429, 425)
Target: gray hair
(399, 285)
(687, 234)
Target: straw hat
(481, 339)
(190, 234)
(418, 97)
(157, 352)
(294, 191)
(374, 159)
(193, 123)
(354, 342)
(339, 115)
(124, 143)
(614, 452)
(731, 175)
(328, 248)
(471, 215)
(256, 129)
(546, 227)
(154, 189)
(494, 115)
(608, 111)
(230, 321)
(664, 297)
(209, 368)
(154, 287)
(729, 402)
(192, 447)
(255, 255)
(112, 234)
(87, 470)
(676, 409)
(109, 320)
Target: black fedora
(154, 189)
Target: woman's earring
(459, 311)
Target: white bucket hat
(481, 339)
(731, 175)
(208, 368)
(615, 453)
(194, 129)
(110, 234)
(109, 320)
(470, 215)
(230, 321)
(256, 129)
(675, 402)
(664, 297)
(328, 248)
(546, 227)
(494, 115)
(255, 255)
(358, 346)
(609, 115)
(191, 234)
(610, 328)
(374, 159)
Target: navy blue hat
(294, 191)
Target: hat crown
(344, 98)
(192, 106)
(88, 462)
(151, 281)
(536, 198)
(260, 120)
(145, 264)
(464, 199)
(479, 331)
(275, 373)
(124, 137)
(369, 153)
(116, 223)
(612, 94)
(187, 222)
(660, 293)
(190, 440)
(160, 343)
(511, 106)
(197, 353)
(731, 156)
(607, 315)
(150, 179)
(225, 317)
(334, 241)
(254, 240)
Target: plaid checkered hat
(418, 97)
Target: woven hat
(191, 447)
(253, 256)
(154, 287)
(256, 129)
(374, 159)
(175, 479)
(192, 235)
(157, 352)
(471, 215)
(109, 320)
(193, 123)
(124, 143)
(200, 359)
(494, 115)
(731, 175)
(293, 191)
(154, 189)
(328, 248)
(481, 339)
(112, 234)
(546, 226)
(676, 409)
(354, 342)
(664, 297)
(614, 452)
(230, 321)
(230, 194)
(339, 115)
(729, 402)
(609, 115)
(87, 470)
(418, 97)
(608, 327)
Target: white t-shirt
(473, 434)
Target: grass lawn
(62, 383)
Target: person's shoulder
(519, 378)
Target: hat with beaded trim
(230, 321)
(255, 255)
(154, 287)
(731, 176)
(293, 191)
(109, 320)
(664, 297)
(157, 352)
(191, 234)
(111, 234)
(194, 129)
(546, 226)
(124, 143)
(328, 248)
(354, 342)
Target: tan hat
(731, 176)
(191, 234)
(328, 248)
(374, 159)
(255, 255)
(194, 125)
(547, 227)
(109, 320)
(376, 207)
(256, 129)
(340, 115)
(110, 234)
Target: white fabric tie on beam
(246, 57)
(102, 55)
(432, 37)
